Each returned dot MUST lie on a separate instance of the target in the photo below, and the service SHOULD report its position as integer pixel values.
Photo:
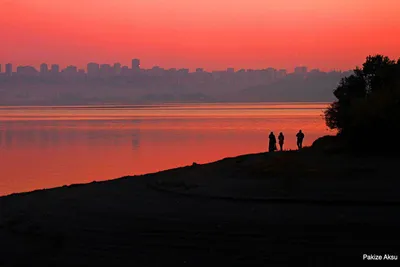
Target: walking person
(272, 142)
(300, 137)
(281, 139)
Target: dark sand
(264, 210)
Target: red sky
(213, 34)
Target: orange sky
(214, 34)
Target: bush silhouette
(367, 110)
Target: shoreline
(161, 103)
(126, 221)
(172, 183)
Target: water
(43, 147)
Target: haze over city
(119, 84)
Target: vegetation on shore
(366, 113)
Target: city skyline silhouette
(117, 67)
(101, 83)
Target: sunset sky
(213, 34)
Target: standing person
(281, 139)
(272, 142)
(300, 137)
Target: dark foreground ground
(292, 208)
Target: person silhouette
(300, 137)
(272, 142)
(281, 139)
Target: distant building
(217, 74)
(55, 69)
(93, 69)
(271, 74)
(9, 69)
(230, 70)
(171, 72)
(199, 70)
(0, 69)
(157, 71)
(125, 71)
(300, 70)
(183, 72)
(281, 73)
(106, 70)
(135, 64)
(70, 71)
(44, 69)
(117, 68)
(315, 71)
(26, 71)
(81, 73)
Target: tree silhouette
(368, 104)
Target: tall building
(106, 70)
(44, 69)
(70, 71)
(281, 73)
(9, 70)
(0, 69)
(271, 74)
(93, 69)
(300, 70)
(117, 68)
(157, 71)
(171, 71)
(183, 72)
(55, 69)
(135, 64)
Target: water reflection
(47, 153)
(43, 136)
(136, 140)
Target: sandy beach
(262, 209)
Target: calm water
(42, 147)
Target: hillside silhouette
(149, 87)
(315, 87)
